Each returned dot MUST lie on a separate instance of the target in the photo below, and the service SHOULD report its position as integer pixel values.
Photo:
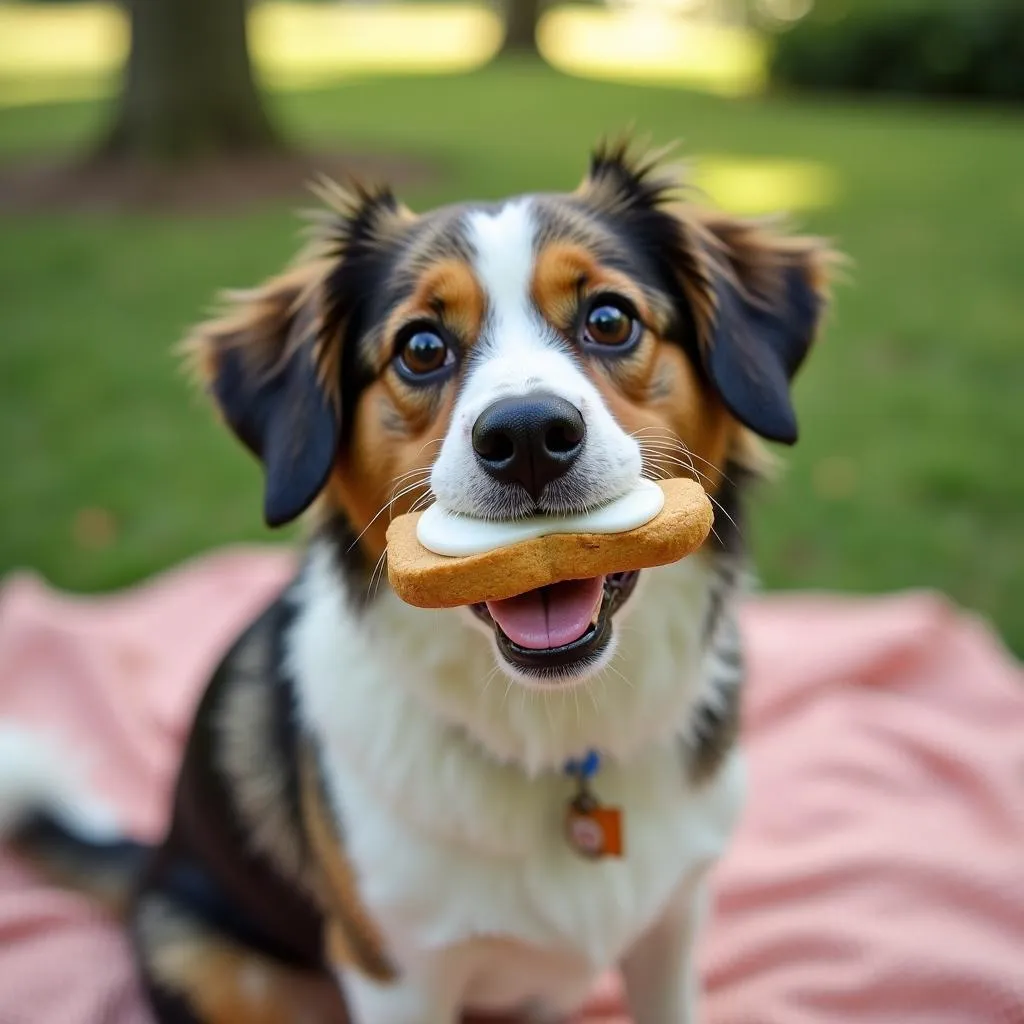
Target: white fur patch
(36, 774)
(520, 353)
(503, 243)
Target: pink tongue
(550, 616)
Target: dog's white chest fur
(429, 891)
(451, 795)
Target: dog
(371, 812)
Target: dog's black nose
(529, 440)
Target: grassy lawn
(910, 469)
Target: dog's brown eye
(610, 324)
(423, 352)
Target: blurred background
(153, 152)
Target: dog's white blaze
(503, 243)
(519, 353)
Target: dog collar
(593, 831)
(585, 767)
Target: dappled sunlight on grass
(73, 52)
(752, 186)
(651, 46)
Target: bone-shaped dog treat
(429, 580)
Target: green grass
(909, 472)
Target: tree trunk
(521, 17)
(189, 90)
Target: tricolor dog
(372, 805)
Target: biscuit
(428, 580)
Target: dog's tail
(48, 818)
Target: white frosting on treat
(446, 533)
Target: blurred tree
(521, 18)
(189, 89)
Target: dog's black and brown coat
(248, 906)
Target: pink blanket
(878, 875)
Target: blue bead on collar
(585, 767)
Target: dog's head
(537, 354)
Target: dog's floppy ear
(276, 360)
(259, 361)
(754, 295)
(763, 298)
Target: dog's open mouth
(558, 630)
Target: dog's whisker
(725, 512)
(547, 714)
(422, 502)
(411, 485)
(369, 593)
(404, 478)
(658, 431)
(490, 678)
(427, 496)
(663, 471)
(376, 566)
(673, 441)
(686, 463)
(611, 668)
(669, 437)
(428, 443)
(593, 698)
(387, 505)
(378, 572)
(672, 449)
(429, 468)
(714, 501)
(419, 472)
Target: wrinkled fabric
(877, 875)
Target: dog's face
(534, 355)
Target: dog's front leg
(429, 993)
(659, 969)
